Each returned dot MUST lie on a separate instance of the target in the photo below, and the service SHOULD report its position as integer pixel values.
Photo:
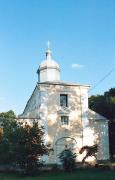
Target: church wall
(45, 105)
(74, 110)
(100, 129)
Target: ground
(85, 174)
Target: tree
(29, 146)
(104, 104)
(8, 124)
(1, 133)
(90, 151)
(7, 115)
(67, 158)
(21, 144)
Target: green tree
(67, 158)
(21, 144)
(8, 125)
(7, 115)
(104, 104)
(29, 146)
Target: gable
(32, 102)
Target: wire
(101, 80)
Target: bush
(67, 158)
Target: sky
(82, 36)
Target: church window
(64, 120)
(63, 100)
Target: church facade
(62, 108)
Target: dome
(49, 62)
(49, 69)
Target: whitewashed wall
(83, 129)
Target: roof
(95, 116)
(49, 62)
(62, 83)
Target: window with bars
(64, 120)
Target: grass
(85, 174)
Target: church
(62, 108)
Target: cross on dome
(48, 52)
(48, 44)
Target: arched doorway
(65, 143)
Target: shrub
(67, 158)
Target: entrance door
(65, 143)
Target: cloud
(77, 66)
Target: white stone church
(62, 108)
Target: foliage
(7, 115)
(21, 145)
(90, 151)
(1, 133)
(8, 125)
(30, 147)
(67, 158)
(104, 104)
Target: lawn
(78, 175)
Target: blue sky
(82, 35)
